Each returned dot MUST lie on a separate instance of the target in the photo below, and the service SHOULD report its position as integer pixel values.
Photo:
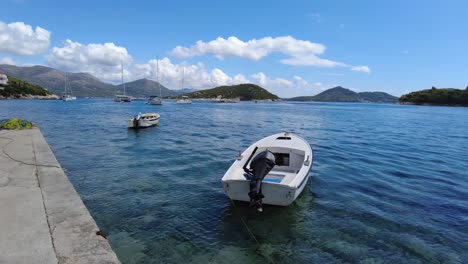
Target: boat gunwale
(301, 175)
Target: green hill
(17, 89)
(245, 92)
(340, 94)
(377, 97)
(434, 96)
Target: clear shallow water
(389, 183)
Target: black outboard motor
(136, 121)
(260, 166)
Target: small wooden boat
(274, 170)
(144, 120)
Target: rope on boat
(20, 161)
(245, 224)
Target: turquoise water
(389, 183)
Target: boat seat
(284, 169)
(273, 180)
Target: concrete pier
(42, 218)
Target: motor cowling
(136, 121)
(260, 166)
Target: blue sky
(289, 47)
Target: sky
(291, 48)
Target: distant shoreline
(31, 97)
(432, 104)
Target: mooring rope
(245, 224)
(20, 161)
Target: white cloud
(101, 60)
(312, 60)
(287, 88)
(360, 69)
(199, 77)
(20, 39)
(253, 49)
(7, 60)
(194, 76)
(298, 52)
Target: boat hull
(143, 123)
(184, 101)
(122, 99)
(155, 101)
(275, 194)
(146, 120)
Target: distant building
(3, 79)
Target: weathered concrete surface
(42, 218)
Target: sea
(389, 183)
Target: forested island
(435, 96)
(340, 94)
(245, 92)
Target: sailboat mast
(157, 76)
(122, 78)
(65, 74)
(183, 76)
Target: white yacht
(68, 93)
(144, 120)
(122, 98)
(273, 170)
(156, 100)
(184, 100)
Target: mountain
(20, 89)
(340, 94)
(83, 84)
(145, 87)
(243, 91)
(434, 96)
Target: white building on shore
(3, 79)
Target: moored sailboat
(156, 100)
(68, 94)
(122, 97)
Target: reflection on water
(388, 182)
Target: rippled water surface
(389, 183)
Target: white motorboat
(144, 120)
(274, 170)
(184, 100)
